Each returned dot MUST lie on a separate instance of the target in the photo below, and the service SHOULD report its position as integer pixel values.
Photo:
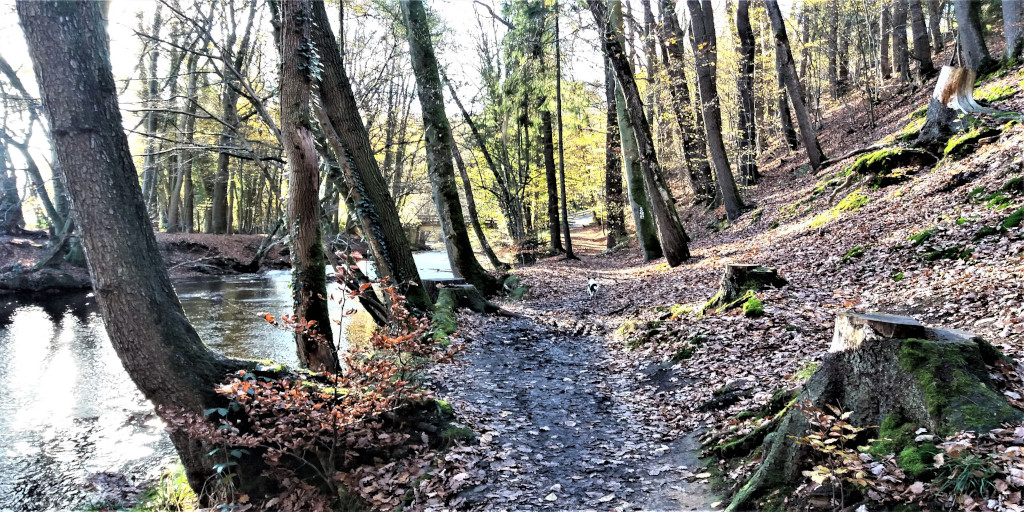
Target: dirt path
(560, 430)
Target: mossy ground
(853, 253)
(963, 144)
(852, 202)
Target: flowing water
(72, 422)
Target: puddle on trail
(70, 411)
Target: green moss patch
(922, 236)
(854, 253)
(954, 252)
(986, 231)
(996, 92)
(753, 307)
(884, 161)
(954, 380)
(444, 315)
(455, 433)
(852, 202)
(963, 144)
(1014, 219)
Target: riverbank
(184, 254)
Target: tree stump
(894, 372)
(740, 279)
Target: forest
(446, 255)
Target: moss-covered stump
(893, 372)
(452, 297)
(738, 280)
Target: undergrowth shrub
(321, 434)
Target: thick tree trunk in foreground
(691, 125)
(970, 30)
(745, 83)
(551, 179)
(803, 118)
(1013, 28)
(309, 277)
(376, 211)
(159, 349)
(438, 137)
(892, 372)
(922, 47)
(613, 200)
(673, 237)
(702, 31)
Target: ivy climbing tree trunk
(345, 131)
(789, 76)
(158, 347)
(702, 32)
(670, 230)
(309, 278)
(438, 137)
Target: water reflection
(70, 411)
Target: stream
(71, 421)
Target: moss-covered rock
(738, 284)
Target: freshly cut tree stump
(892, 372)
(740, 279)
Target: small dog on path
(593, 286)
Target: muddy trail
(560, 431)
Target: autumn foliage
(320, 434)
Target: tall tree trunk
(150, 160)
(1013, 27)
(344, 129)
(785, 116)
(309, 278)
(934, 21)
(702, 31)
(651, 52)
(12, 221)
(551, 179)
(438, 137)
(474, 219)
(900, 47)
(189, 205)
(185, 139)
(803, 118)
(147, 327)
(883, 48)
(922, 48)
(569, 254)
(643, 218)
(673, 237)
(615, 222)
(691, 126)
(970, 30)
(745, 85)
(229, 115)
